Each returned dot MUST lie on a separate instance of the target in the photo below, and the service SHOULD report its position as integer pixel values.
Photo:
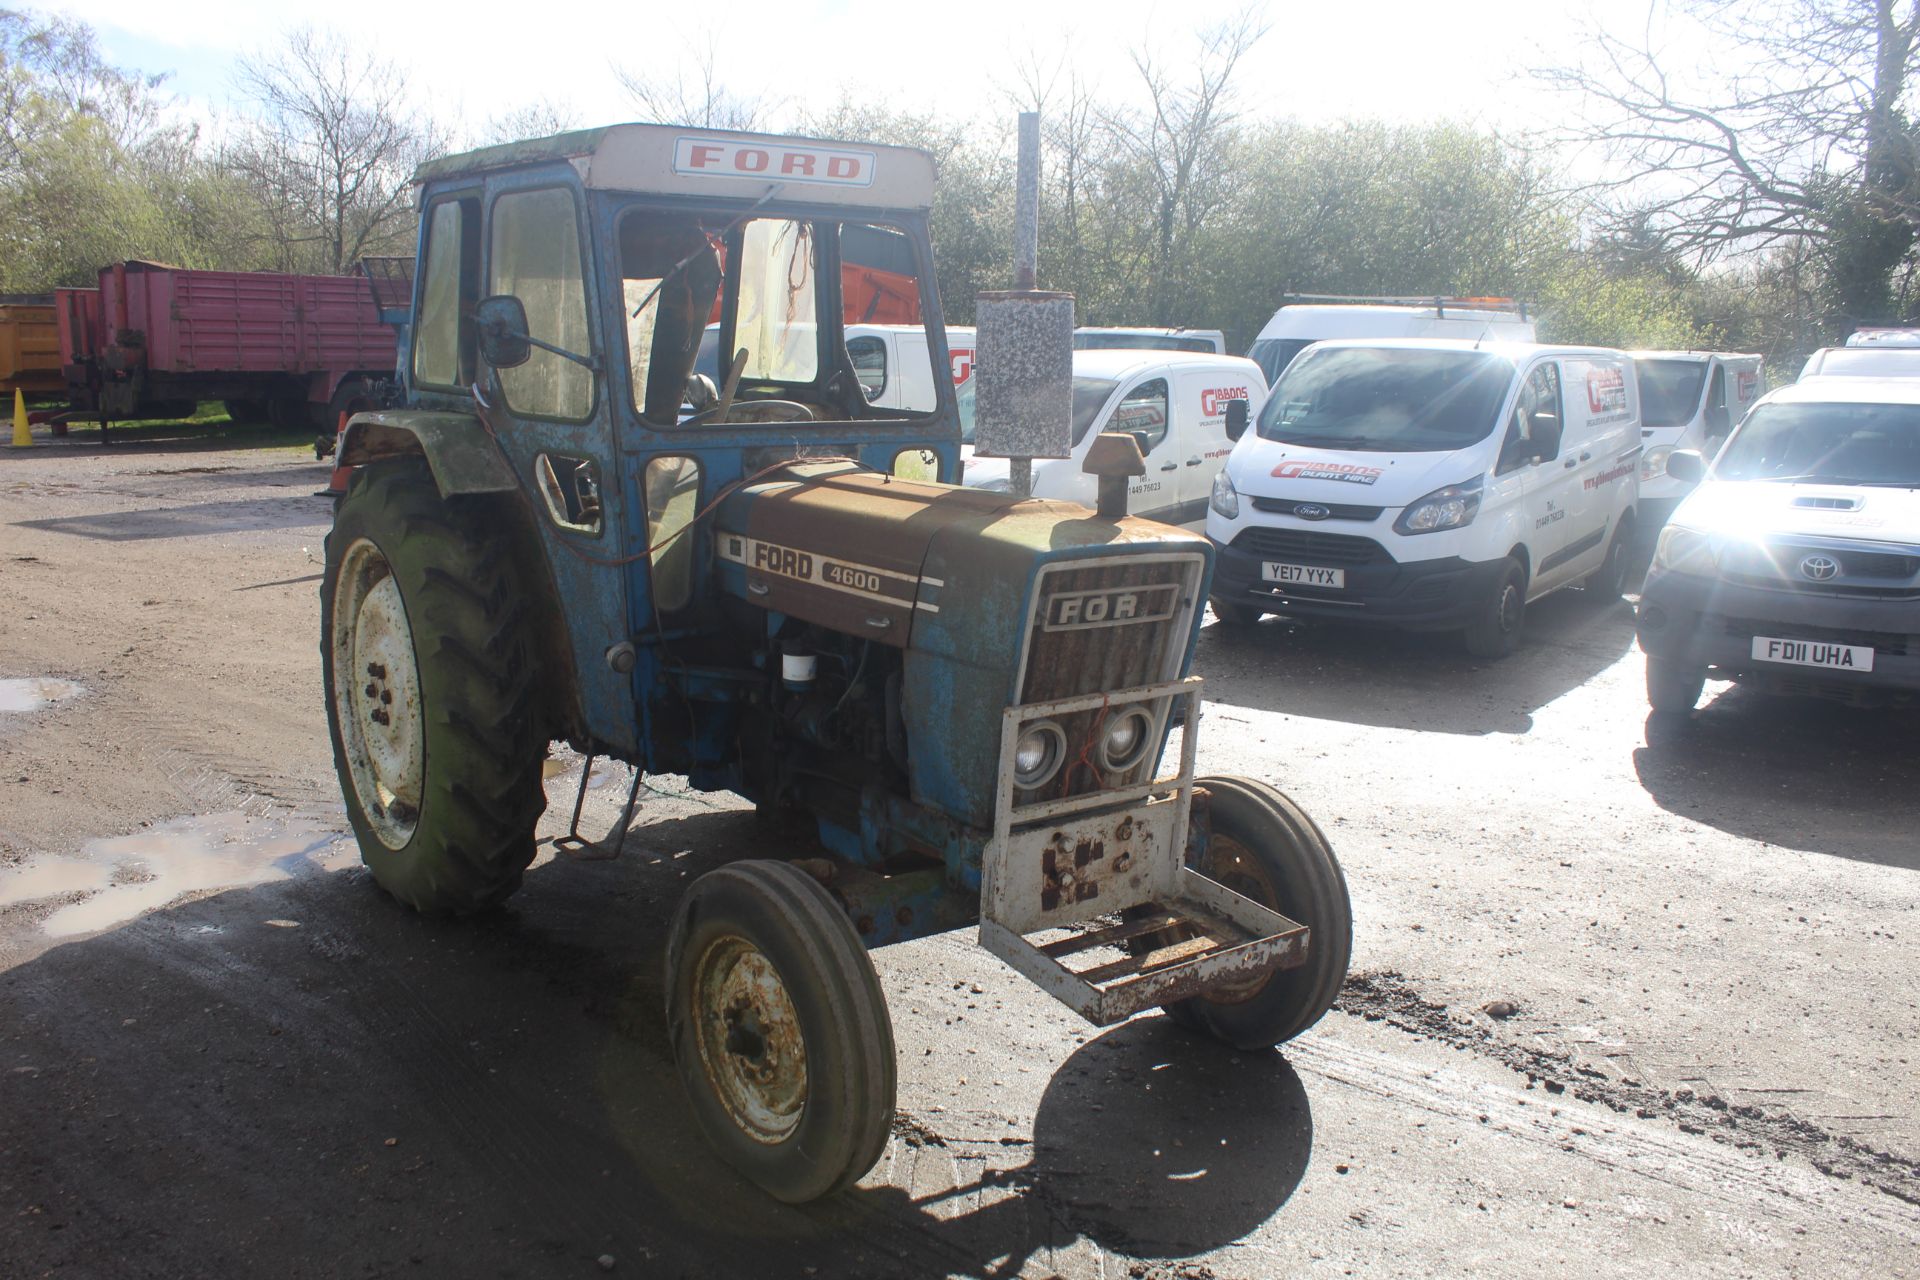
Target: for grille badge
(1819, 568)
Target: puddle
(128, 876)
(31, 693)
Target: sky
(1401, 60)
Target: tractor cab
(765, 578)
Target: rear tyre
(780, 1030)
(1495, 632)
(1235, 613)
(1264, 847)
(1607, 583)
(1673, 687)
(428, 651)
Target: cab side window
(1535, 428)
(443, 343)
(536, 258)
(1144, 410)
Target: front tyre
(427, 649)
(780, 1030)
(1673, 688)
(1264, 847)
(1495, 631)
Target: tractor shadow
(1413, 680)
(1795, 772)
(303, 1077)
(192, 520)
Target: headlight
(1453, 507)
(1128, 735)
(1225, 502)
(1653, 463)
(1038, 753)
(1683, 550)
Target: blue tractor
(772, 585)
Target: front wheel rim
(376, 694)
(1509, 617)
(748, 1035)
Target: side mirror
(1687, 466)
(1236, 419)
(500, 323)
(1144, 440)
(1545, 435)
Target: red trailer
(153, 340)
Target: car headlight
(1684, 550)
(1037, 754)
(1128, 735)
(1453, 507)
(1225, 500)
(1653, 463)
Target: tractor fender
(466, 460)
(461, 454)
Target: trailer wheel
(244, 412)
(1495, 633)
(1264, 847)
(780, 1030)
(427, 649)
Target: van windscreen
(1273, 355)
(1387, 399)
(1849, 443)
(1669, 391)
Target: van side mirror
(500, 323)
(1236, 419)
(1687, 466)
(1545, 436)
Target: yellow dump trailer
(29, 350)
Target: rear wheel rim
(1231, 863)
(376, 694)
(748, 1034)
(1508, 613)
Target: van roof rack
(1439, 302)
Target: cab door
(1146, 411)
(1200, 416)
(1600, 459)
(1534, 451)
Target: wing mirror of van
(1236, 419)
(1544, 436)
(1687, 466)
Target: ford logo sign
(1819, 568)
(1310, 511)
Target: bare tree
(535, 120)
(1810, 142)
(331, 149)
(1180, 143)
(693, 94)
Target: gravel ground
(224, 1052)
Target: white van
(1323, 316)
(1882, 361)
(1098, 339)
(1431, 484)
(1688, 400)
(895, 369)
(1177, 403)
(892, 361)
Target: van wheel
(1609, 581)
(1673, 688)
(1495, 633)
(1236, 614)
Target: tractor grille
(1072, 651)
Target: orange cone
(22, 433)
